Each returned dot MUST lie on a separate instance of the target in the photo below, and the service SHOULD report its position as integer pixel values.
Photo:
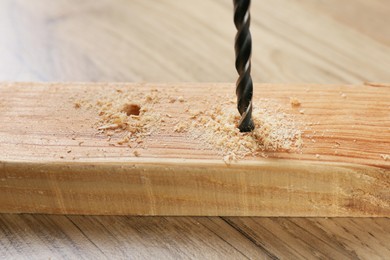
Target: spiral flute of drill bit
(243, 49)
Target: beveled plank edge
(364, 182)
(189, 162)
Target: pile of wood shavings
(130, 114)
(274, 130)
(133, 116)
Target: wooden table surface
(295, 41)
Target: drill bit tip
(246, 123)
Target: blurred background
(314, 41)
(294, 41)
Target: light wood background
(295, 41)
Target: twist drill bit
(243, 49)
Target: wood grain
(121, 237)
(329, 237)
(300, 41)
(185, 178)
(132, 41)
(56, 236)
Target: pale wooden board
(99, 40)
(45, 169)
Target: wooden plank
(27, 236)
(100, 41)
(328, 238)
(54, 161)
(371, 15)
(58, 237)
(132, 41)
(39, 236)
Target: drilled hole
(131, 109)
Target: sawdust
(295, 102)
(181, 127)
(129, 118)
(77, 105)
(385, 157)
(126, 117)
(343, 95)
(274, 130)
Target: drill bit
(243, 49)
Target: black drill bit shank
(243, 49)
